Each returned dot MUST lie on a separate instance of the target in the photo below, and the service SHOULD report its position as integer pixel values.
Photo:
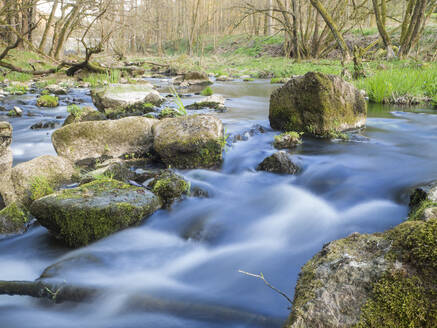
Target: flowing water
(251, 221)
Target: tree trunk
(381, 28)
(49, 23)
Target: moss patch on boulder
(93, 211)
(169, 187)
(13, 219)
(47, 101)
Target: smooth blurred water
(253, 221)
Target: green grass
(386, 86)
(76, 111)
(47, 101)
(96, 79)
(17, 89)
(207, 92)
(178, 101)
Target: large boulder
(85, 142)
(7, 194)
(124, 99)
(317, 104)
(371, 280)
(93, 211)
(40, 176)
(186, 142)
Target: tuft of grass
(40, 187)
(207, 92)
(178, 101)
(76, 111)
(47, 101)
(99, 79)
(17, 89)
(19, 77)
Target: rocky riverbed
(218, 197)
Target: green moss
(76, 111)
(399, 300)
(47, 101)
(207, 92)
(168, 112)
(12, 113)
(17, 89)
(40, 187)
(13, 218)
(169, 186)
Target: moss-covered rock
(56, 89)
(47, 101)
(40, 176)
(192, 78)
(287, 140)
(7, 193)
(169, 187)
(13, 219)
(214, 102)
(317, 104)
(190, 141)
(86, 142)
(367, 281)
(93, 211)
(83, 114)
(279, 162)
(119, 100)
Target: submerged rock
(279, 162)
(13, 219)
(214, 102)
(86, 142)
(185, 142)
(287, 140)
(93, 211)
(317, 104)
(44, 125)
(40, 176)
(373, 280)
(124, 99)
(169, 187)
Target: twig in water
(261, 276)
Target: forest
(205, 163)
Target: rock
(18, 111)
(169, 187)
(317, 104)
(123, 99)
(85, 142)
(192, 78)
(44, 125)
(279, 162)
(13, 219)
(87, 114)
(114, 168)
(214, 102)
(33, 178)
(185, 142)
(47, 101)
(287, 140)
(93, 211)
(427, 192)
(56, 89)
(429, 213)
(377, 280)
(7, 193)
(224, 78)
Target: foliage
(47, 101)
(40, 187)
(76, 111)
(99, 79)
(17, 89)
(207, 92)
(178, 101)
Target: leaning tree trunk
(334, 29)
(380, 18)
(49, 23)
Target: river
(251, 221)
